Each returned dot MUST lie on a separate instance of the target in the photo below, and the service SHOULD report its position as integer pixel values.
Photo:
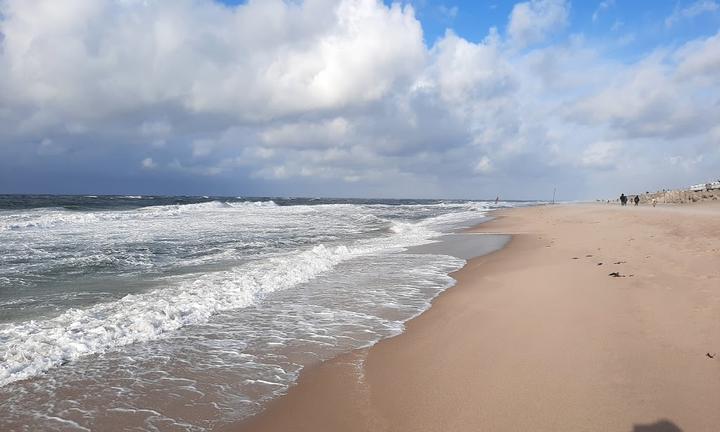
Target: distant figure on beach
(497, 198)
(637, 199)
(654, 201)
(623, 199)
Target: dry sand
(539, 337)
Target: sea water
(184, 313)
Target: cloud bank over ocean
(346, 98)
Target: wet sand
(540, 337)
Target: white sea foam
(258, 290)
(287, 243)
(269, 203)
(402, 227)
(246, 355)
(50, 218)
(36, 346)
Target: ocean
(185, 313)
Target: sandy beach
(539, 336)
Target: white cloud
(686, 162)
(603, 155)
(203, 147)
(449, 12)
(155, 128)
(602, 7)
(156, 131)
(326, 133)
(345, 96)
(484, 165)
(532, 21)
(700, 60)
(259, 61)
(669, 94)
(148, 163)
(464, 71)
(48, 147)
(698, 8)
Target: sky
(359, 98)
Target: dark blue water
(128, 202)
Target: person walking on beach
(623, 199)
(654, 202)
(637, 199)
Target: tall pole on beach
(554, 189)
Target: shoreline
(537, 336)
(345, 372)
(347, 368)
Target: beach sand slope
(541, 337)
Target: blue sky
(367, 98)
(627, 29)
(604, 20)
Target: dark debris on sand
(618, 274)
